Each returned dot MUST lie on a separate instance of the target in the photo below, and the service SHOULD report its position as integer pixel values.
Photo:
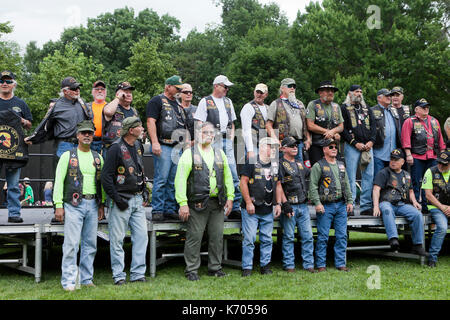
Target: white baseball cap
(223, 79)
(262, 87)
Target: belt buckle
(198, 205)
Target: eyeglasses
(290, 86)
(332, 147)
(89, 133)
(224, 86)
(186, 92)
(6, 81)
(99, 89)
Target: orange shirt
(98, 109)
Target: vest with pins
(129, 176)
(111, 129)
(420, 136)
(213, 112)
(441, 189)
(257, 184)
(322, 120)
(294, 182)
(327, 182)
(396, 190)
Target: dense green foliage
(402, 42)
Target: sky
(45, 20)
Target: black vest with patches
(213, 115)
(198, 186)
(258, 122)
(257, 185)
(73, 182)
(441, 189)
(294, 182)
(327, 182)
(129, 176)
(190, 121)
(111, 129)
(169, 121)
(380, 123)
(396, 190)
(420, 136)
(322, 120)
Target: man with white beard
(287, 114)
(359, 136)
(397, 99)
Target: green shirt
(427, 183)
(184, 169)
(88, 170)
(316, 174)
(29, 192)
(311, 113)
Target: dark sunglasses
(332, 147)
(6, 81)
(226, 87)
(292, 146)
(260, 92)
(291, 86)
(186, 92)
(89, 133)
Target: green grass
(400, 279)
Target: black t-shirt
(382, 177)
(127, 113)
(248, 171)
(154, 107)
(18, 106)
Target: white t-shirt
(202, 114)
(247, 114)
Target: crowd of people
(292, 156)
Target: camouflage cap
(85, 125)
(128, 123)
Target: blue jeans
(12, 177)
(352, 157)
(250, 224)
(302, 220)
(378, 165)
(227, 146)
(337, 213)
(163, 194)
(80, 224)
(441, 221)
(418, 170)
(119, 221)
(412, 215)
(64, 146)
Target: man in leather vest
(99, 93)
(422, 140)
(79, 202)
(287, 114)
(186, 96)
(329, 191)
(292, 192)
(258, 187)
(359, 135)
(397, 99)
(324, 118)
(393, 196)
(219, 110)
(123, 179)
(437, 190)
(388, 130)
(253, 120)
(204, 190)
(166, 123)
(8, 101)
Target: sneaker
(15, 219)
(192, 276)
(218, 273)
(395, 245)
(419, 250)
(120, 282)
(140, 280)
(266, 270)
(157, 217)
(432, 264)
(246, 272)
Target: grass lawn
(399, 279)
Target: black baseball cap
(397, 154)
(329, 142)
(384, 92)
(8, 74)
(422, 103)
(124, 86)
(289, 142)
(71, 83)
(99, 83)
(444, 157)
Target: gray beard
(292, 97)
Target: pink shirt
(406, 138)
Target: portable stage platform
(37, 228)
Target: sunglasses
(332, 147)
(292, 146)
(224, 86)
(186, 92)
(290, 86)
(259, 92)
(89, 133)
(6, 81)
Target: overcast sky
(45, 20)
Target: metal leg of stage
(38, 257)
(152, 254)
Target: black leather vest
(169, 121)
(129, 176)
(190, 121)
(213, 112)
(380, 123)
(257, 185)
(198, 186)
(441, 189)
(419, 136)
(73, 182)
(396, 190)
(111, 129)
(322, 120)
(327, 182)
(294, 182)
(359, 116)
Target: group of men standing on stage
(196, 178)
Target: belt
(89, 196)
(334, 201)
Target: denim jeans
(227, 147)
(64, 146)
(337, 213)
(119, 221)
(163, 194)
(302, 220)
(418, 170)
(352, 157)
(412, 215)
(441, 221)
(80, 229)
(378, 165)
(12, 177)
(250, 224)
